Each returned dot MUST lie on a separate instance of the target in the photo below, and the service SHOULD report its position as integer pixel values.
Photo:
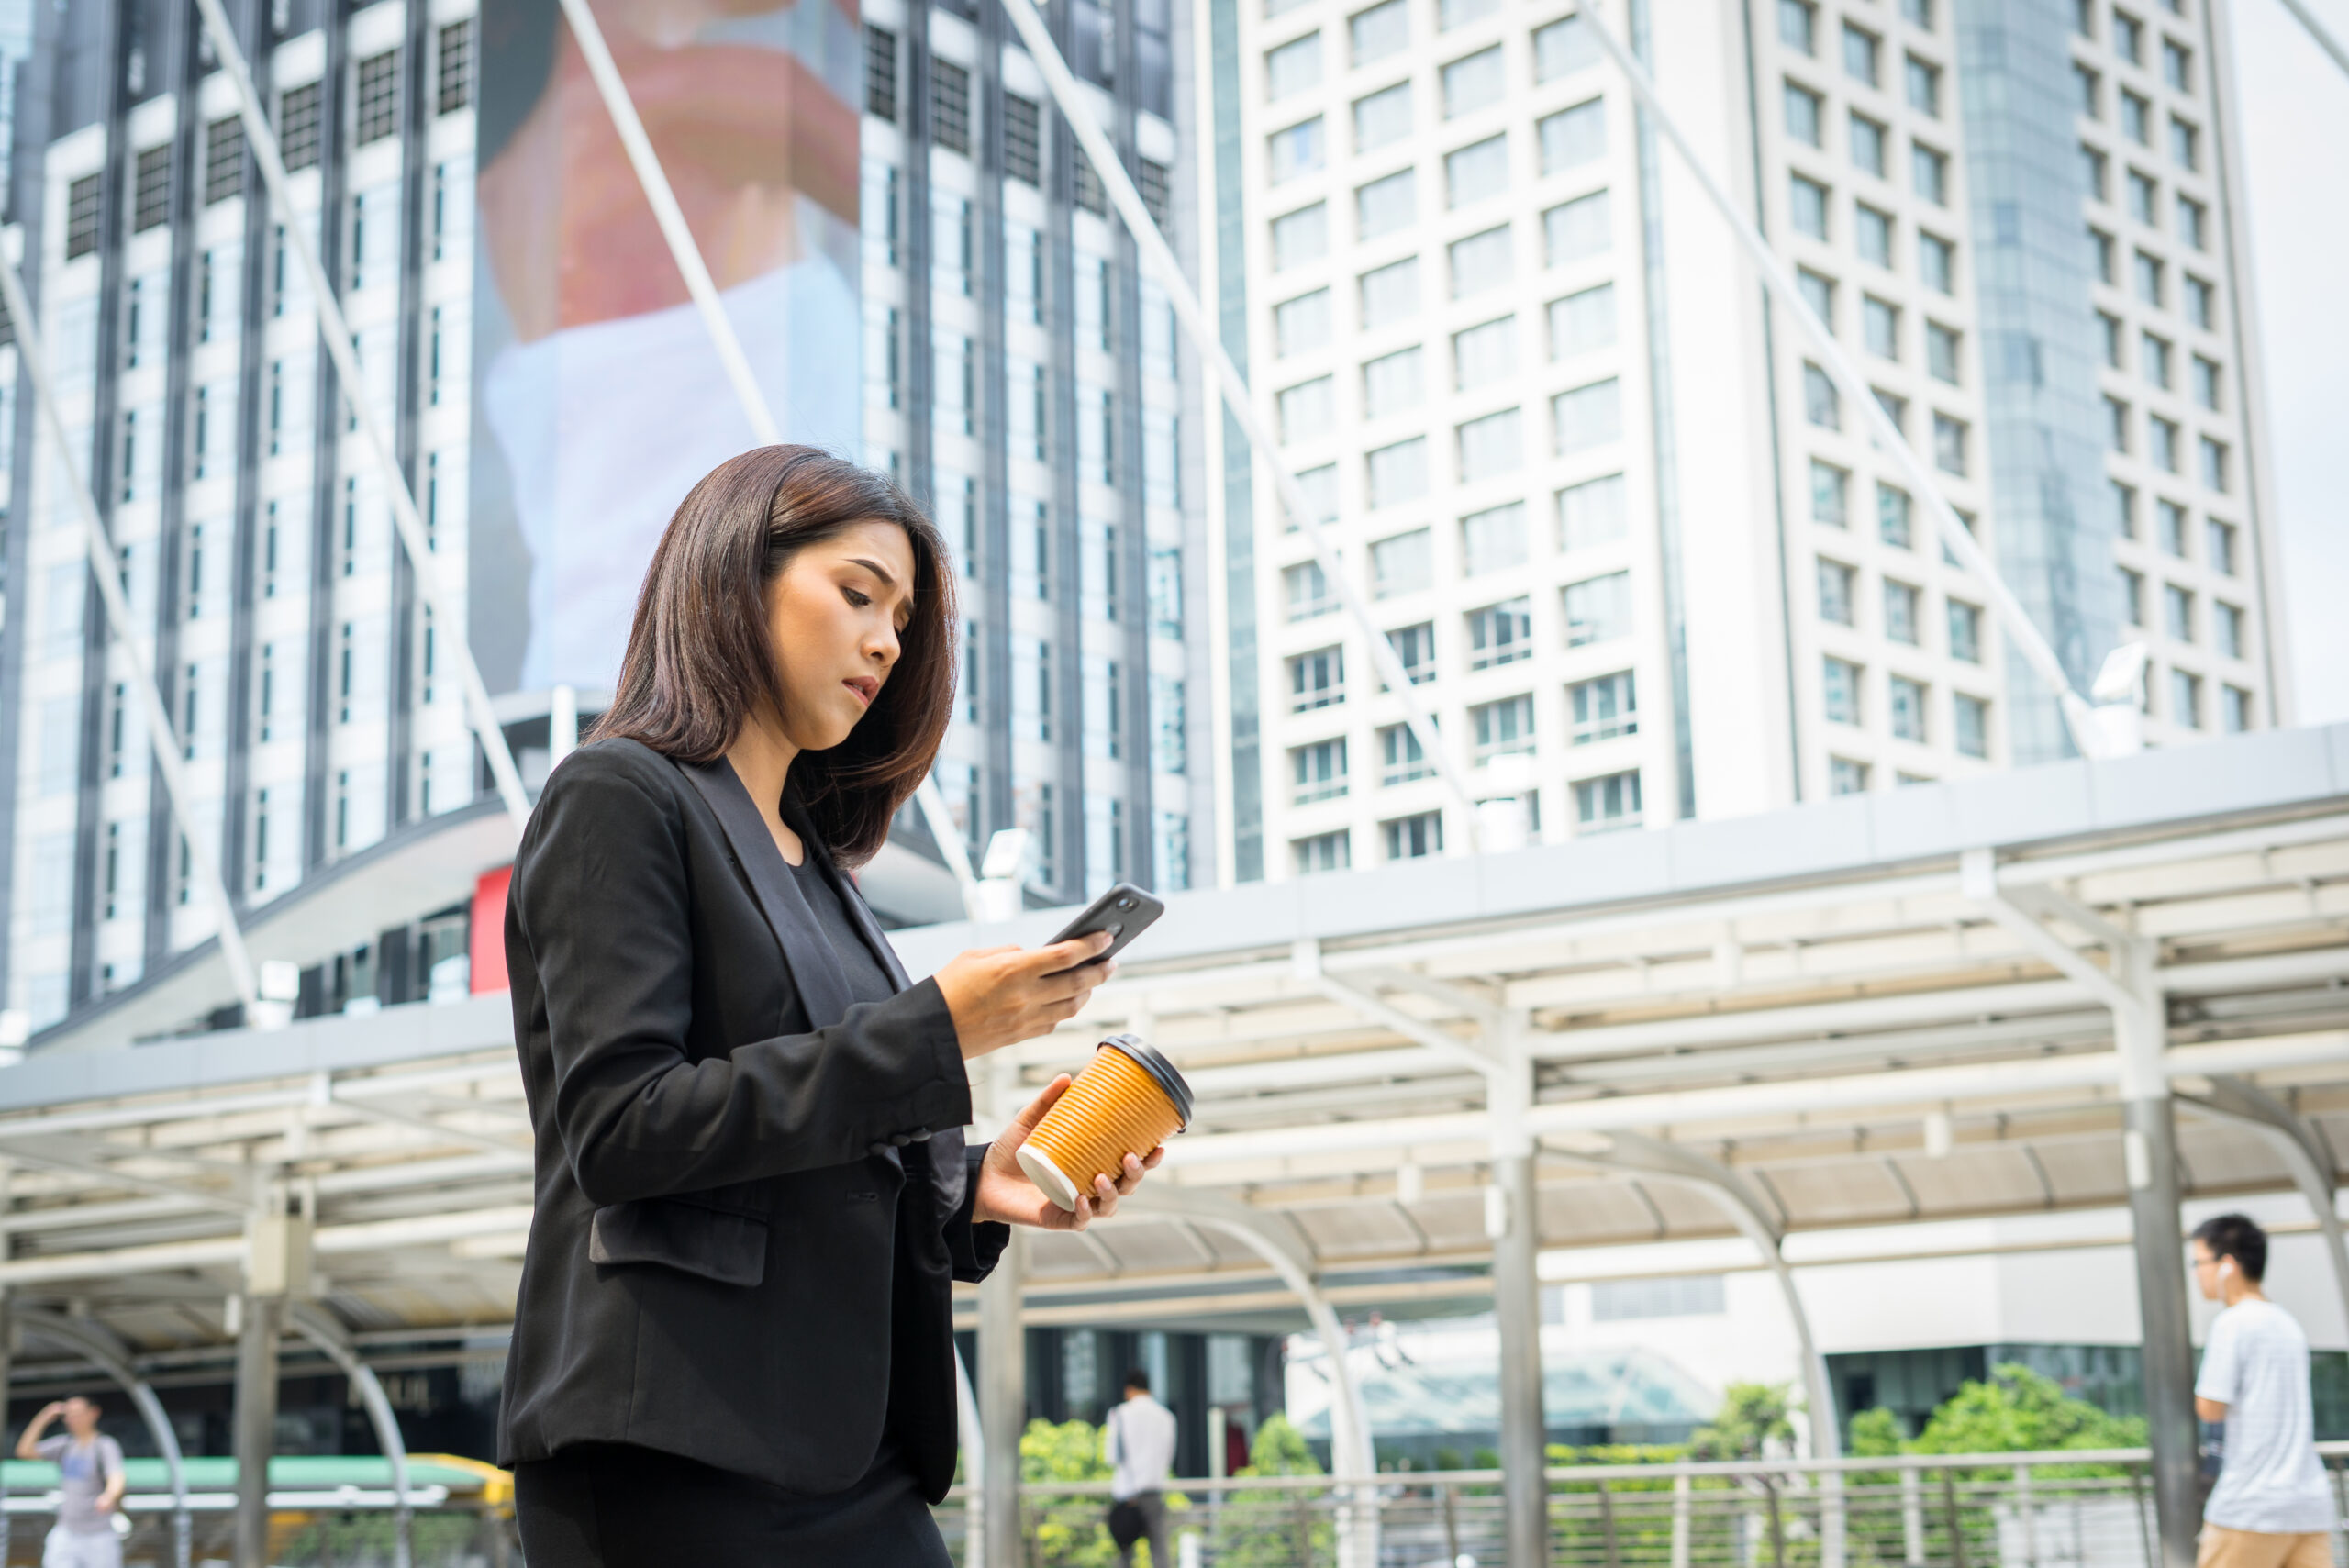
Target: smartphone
(1125, 912)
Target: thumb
(1025, 1122)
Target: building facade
(1603, 498)
(1018, 377)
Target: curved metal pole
(108, 1353)
(322, 1330)
(2297, 1144)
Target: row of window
(1597, 610)
(2173, 530)
(1903, 610)
(2129, 36)
(2138, 116)
(2181, 615)
(1494, 539)
(1581, 419)
(1823, 407)
(2165, 444)
(1908, 704)
(1869, 141)
(1810, 208)
(1600, 709)
(2144, 196)
(1601, 805)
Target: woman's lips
(865, 688)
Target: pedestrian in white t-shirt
(2271, 1507)
(89, 1482)
(1140, 1451)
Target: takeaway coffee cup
(1128, 1100)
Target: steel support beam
(2296, 1144)
(2149, 1150)
(1511, 1219)
(1002, 1403)
(255, 1424)
(322, 1328)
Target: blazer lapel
(815, 973)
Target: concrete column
(2149, 1161)
(256, 1424)
(1517, 1305)
(1003, 1402)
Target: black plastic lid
(1158, 1067)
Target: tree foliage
(1752, 1422)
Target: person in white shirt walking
(89, 1484)
(2271, 1507)
(1140, 1451)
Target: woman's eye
(858, 600)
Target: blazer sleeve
(975, 1246)
(602, 903)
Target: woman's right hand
(1000, 996)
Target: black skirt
(618, 1505)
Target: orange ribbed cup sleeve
(1113, 1108)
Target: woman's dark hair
(2236, 1236)
(700, 663)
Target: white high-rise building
(1596, 488)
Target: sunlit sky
(2295, 112)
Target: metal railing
(2079, 1508)
(343, 1528)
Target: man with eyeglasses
(2271, 1507)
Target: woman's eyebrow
(875, 568)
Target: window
(2136, 118)
(2101, 255)
(2234, 709)
(1830, 494)
(2091, 94)
(2226, 628)
(1295, 67)
(1929, 171)
(1307, 589)
(1907, 700)
(1023, 141)
(150, 190)
(1949, 444)
(1964, 631)
(1802, 115)
(1799, 25)
(1860, 52)
(1579, 322)
(1502, 729)
(1414, 838)
(1322, 852)
(2163, 440)
(1490, 446)
(2133, 596)
(1380, 31)
(1482, 355)
(224, 160)
(1847, 777)
(1307, 410)
(1806, 205)
(1473, 82)
(2129, 38)
(2185, 699)
(1317, 680)
(2098, 171)
(1835, 592)
(2116, 419)
(1573, 137)
(1500, 634)
(1604, 708)
(1479, 263)
(1970, 718)
(1868, 140)
(1901, 612)
(1880, 328)
(1941, 353)
(1577, 229)
(1390, 383)
(1919, 12)
(1493, 539)
(1415, 651)
(2177, 607)
(1924, 81)
(81, 217)
(1937, 262)
(2184, 144)
(880, 74)
(1818, 293)
(1385, 207)
(1296, 151)
(2177, 65)
(1300, 237)
(1318, 771)
(297, 125)
(2193, 223)
(2219, 546)
(1403, 564)
(1841, 690)
(2214, 464)
(1451, 13)
(1591, 513)
(1562, 48)
(1603, 805)
(1587, 417)
(1872, 234)
(378, 114)
(1597, 609)
(1402, 758)
(1383, 118)
(2201, 307)
(1821, 405)
(1302, 325)
(2152, 354)
(2145, 198)
(1390, 294)
(2110, 327)
(2149, 279)
(1477, 170)
(2125, 509)
(1397, 473)
(1892, 515)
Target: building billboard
(598, 397)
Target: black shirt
(853, 961)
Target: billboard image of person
(598, 395)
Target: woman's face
(834, 614)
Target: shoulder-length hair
(700, 663)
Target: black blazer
(750, 1195)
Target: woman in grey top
(89, 1482)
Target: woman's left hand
(1006, 1194)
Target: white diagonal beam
(334, 332)
(1477, 1052)
(1978, 880)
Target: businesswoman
(733, 1343)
